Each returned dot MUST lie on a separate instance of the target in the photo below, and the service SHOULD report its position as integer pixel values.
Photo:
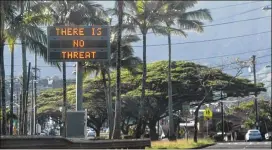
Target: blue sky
(196, 50)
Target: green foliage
(186, 88)
(248, 109)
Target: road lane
(242, 145)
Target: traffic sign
(207, 114)
(78, 43)
(185, 108)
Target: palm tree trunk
(103, 72)
(117, 118)
(26, 99)
(11, 91)
(140, 121)
(21, 115)
(3, 91)
(64, 109)
(170, 103)
(2, 68)
(24, 86)
(110, 104)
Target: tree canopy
(186, 88)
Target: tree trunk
(11, 90)
(170, 103)
(196, 119)
(110, 105)
(27, 91)
(3, 90)
(24, 85)
(139, 127)
(153, 134)
(2, 70)
(35, 93)
(21, 116)
(117, 118)
(97, 131)
(64, 107)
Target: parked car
(90, 133)
(253, 135)
(268, 136)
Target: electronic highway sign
(78, 43)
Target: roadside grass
(180, 144)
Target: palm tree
(128, 61)
(175, 14)
(143, 15)
(11, 43)
(24, 26)
(8, 10)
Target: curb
(204, 146)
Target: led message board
(78, 43)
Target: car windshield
(254, 132)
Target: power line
(257, 74)
(224, 23)
(251, 10)
(232, 5)
(211, 40)
(263, 56)
(250, 19)
(265, 49)
(236, 68)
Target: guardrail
(43, 142)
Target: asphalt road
(242, 145)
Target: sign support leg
(207, 128)
(79, 82)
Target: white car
(91, 133)
(253, 135)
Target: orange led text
(70, 31)
(78, 55)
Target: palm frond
(127, 39)
(193, 25)
(35, 46)
(38, 19)
(90, 68)
(201, 14)
(11, 41)
(131, 63)
(182, 5)
(35, 32)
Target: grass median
(181, 144)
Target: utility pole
(32, 106)
(255, 92)
(222, 114)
